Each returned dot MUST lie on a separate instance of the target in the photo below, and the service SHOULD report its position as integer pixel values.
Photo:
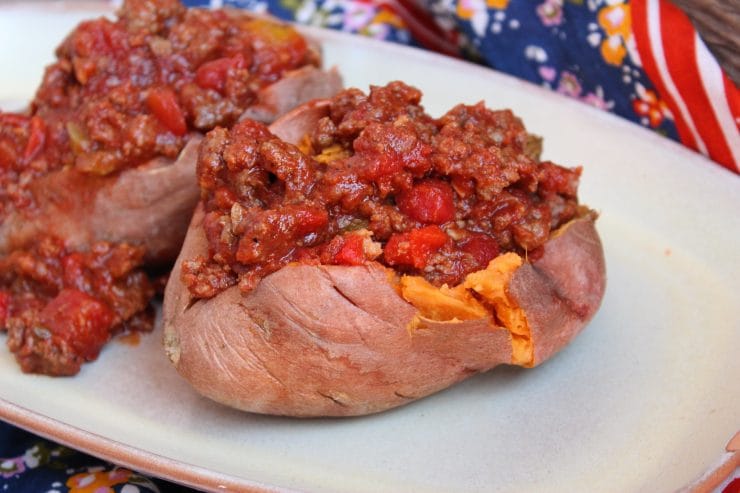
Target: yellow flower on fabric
(469, 9)
(616, 21)
(497, 4)
(97, 481)
(385, 16)
(466, 9)
(613, 50)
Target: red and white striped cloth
(705, 103)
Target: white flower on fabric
(594, 39)
(536, 53)
(32, 457)
(632, 51)
(476, 12)
(598, 100)
(357, 15)
(305, 12)
(86, 480)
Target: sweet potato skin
(299, 86)
(333, 340)
(562, 291)
(148, 205)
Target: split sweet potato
(342, 340)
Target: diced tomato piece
(351, 251)
(310, 220)
(15, 119)
(415, 247)
(482, 247)
(224, 198)
(162, 102)
(36, 138)
(5, 300)
(73, 268)
(80, 320)
(93, 38)
(213, 74)
(429, 201)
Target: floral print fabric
(581, 48)
(31, 464)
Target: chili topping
(378, 179)
(120, 93)
(126, 90)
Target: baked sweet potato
(109, 153)
(313, 338)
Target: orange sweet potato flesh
(340, 341)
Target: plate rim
(129, 456)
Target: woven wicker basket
(718, 23)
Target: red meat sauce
(377, 180)
(119, 93)
(123, 91)
(59, 307)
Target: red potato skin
(149, 205)
(333, 340)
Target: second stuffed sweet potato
(383, 257)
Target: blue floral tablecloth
(31, 464)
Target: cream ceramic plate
(644, 400)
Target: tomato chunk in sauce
(60, 307)
(378, 180)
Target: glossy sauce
(377, 180)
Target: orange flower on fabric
(385, 16)
(497, 4)
(616, 21)
(650, 106)
(97, 481)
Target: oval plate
(644, 400)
